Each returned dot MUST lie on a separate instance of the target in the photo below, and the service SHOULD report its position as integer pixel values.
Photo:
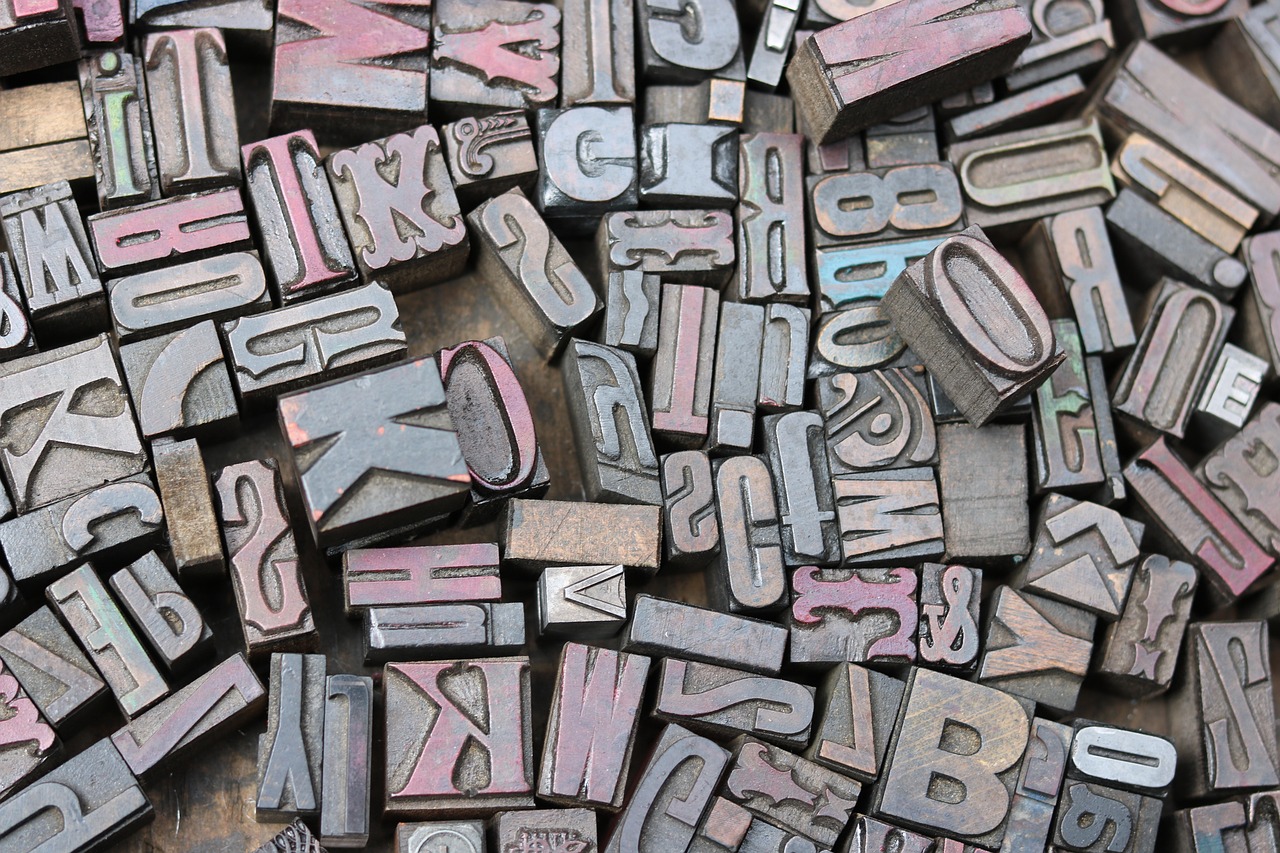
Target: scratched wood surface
(206, 805)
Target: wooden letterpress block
(537, 533)
(949, 607)
(597, 61)
(1172, 23)
(582, 601)
(858, 337)
(721, 99)
(972, 798)
(349, 440)
(1140, 651)
(739, 346)
(87, 438)
(180, 384)
(434, 771)
(1224, 715)
(548, 829)
(487, 56)
(347, 68)
(348, 760)
(681, 246)
(275, 612)
(195, 546)
(307, 342)
(91, 801)
(1185, 192)
(690, 528)
(1060, 45)
(771, 228)
(296, 216)
(1097, 818)
(491, 414)
(874, 836)
(425, 836)
(54, 262)
(1247, 44)
(671, 628)
(27, 741)
(983, 487)
(890, 517)
(587, 164)
(118, 119)
(1032, 106)
(1230, 391)
(45, 139)
(884, 204)
(984, 354)
(859, 710)
(773, 43)
(1122, 758)
(591, 728)
(36, 35)
(423, 574)
(156, 234)
(1036, 648)
(439, 630)
(530, 272)
(864, 616)
(1014, 178)
(193, 110)
(221, 699)
(720, 701)
(877, 420)
(16, 337)
(795, 448)
(618, 463)
(166, 617)
(245, 22)
(1241, 475)
(290, 753)
(672, 51)
(1113, 488)
(683, 367)
(1074, 275)
(172, 299)
(107, 524)
(844, 275)
(724, 827)
(52, 670)
(1151, 94)
(688, 165)
(1195, 523)
(631, 310)
(824, 13)
(791, 791)
(906, 139)
(1204, 829)
(1066, 455)
(1151, 244)
(1084, 554)
(81, 600)
(406, 230)
(489, 155)
(784, 358)
(1039, 782)
(658, 815)
(844, 80)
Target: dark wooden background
(206, 805)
